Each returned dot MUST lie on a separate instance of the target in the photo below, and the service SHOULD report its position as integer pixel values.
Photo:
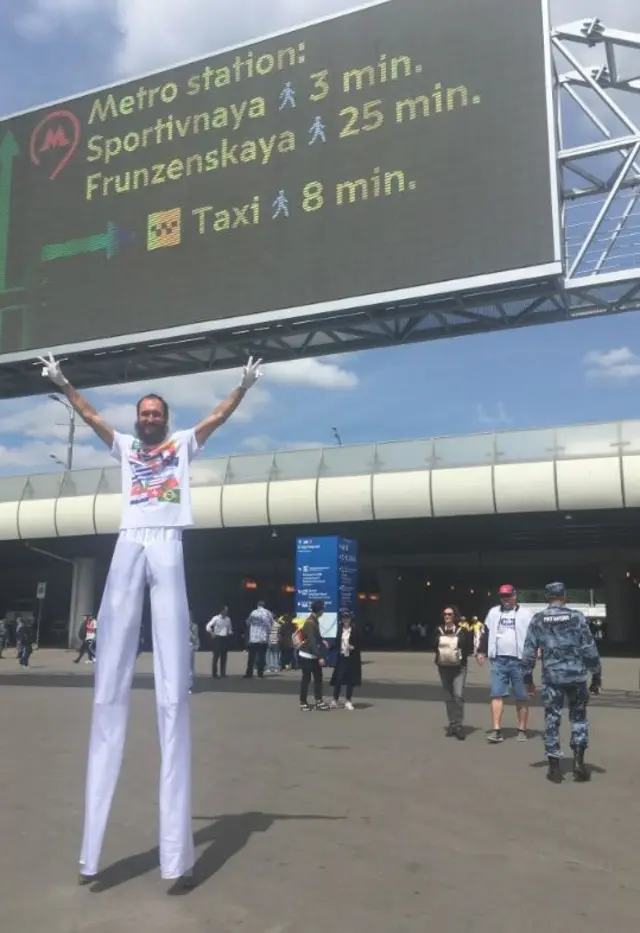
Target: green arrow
(9, 149)
(98, 242)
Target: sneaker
(334, 704)
(349, 705)
(495, 737)
(322, 706)
(459, 733)
(306, 707)
(522, 735)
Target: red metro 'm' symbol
(55, 139)
(58, 131)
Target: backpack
(449, 654)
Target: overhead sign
(326, 569)
(395, 150)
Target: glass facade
(574, 442)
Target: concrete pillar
(619, 604)
(386, 610)
(82, 595)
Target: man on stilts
(156, 507)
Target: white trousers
(153, 557)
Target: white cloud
(312, 372)
(35, 456)
(39, 418)
(498, 417)
(258, 443)
(200, 392)
(616, 14)
(615, 365)
(43, 428)
(39, 18)
(203, 391)
(158, 33)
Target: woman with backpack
(453, 646)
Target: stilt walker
(156, 507)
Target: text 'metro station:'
(366, 153)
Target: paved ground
(371, 822)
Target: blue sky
(582, 371)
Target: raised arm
(222, 412)
(51, 370)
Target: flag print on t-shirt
(154, 473)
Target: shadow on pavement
(287, 684)
(223, 836)
(566, 766)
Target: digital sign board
(399, 146)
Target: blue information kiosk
(327, 569)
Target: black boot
(580, 772)
(554, 773)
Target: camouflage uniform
(568, 655)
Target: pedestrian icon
(281, 206)
(317, 131)
(287, 96)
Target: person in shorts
(502, 641)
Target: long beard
(151, 434)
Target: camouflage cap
(555, 591)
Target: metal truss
(598, 105)
(316, 336)
(599, 183)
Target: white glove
(250, 374)
(51, 370)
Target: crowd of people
(284, 643)
(514, 640)
(156, 508)
(18, 634)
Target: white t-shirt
(155, 481)
(506, 642)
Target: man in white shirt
(221, 631)
(156, 507)
(502, 641)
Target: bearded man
(156, 508)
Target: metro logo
(55, 139)
(59, 131)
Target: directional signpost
(362, 160)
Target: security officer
(562, 639)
